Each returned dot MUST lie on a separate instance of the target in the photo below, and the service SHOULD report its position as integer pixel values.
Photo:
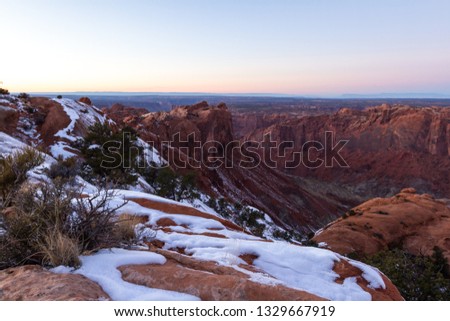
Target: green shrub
(166, 183)
(65, 169)
(36, 213)
(248, 218)
(292, 235)
(310, 242)
(149, 173)
(351, 213)
(378, 235)
(222, 208)
(258, 230)
(188, 187)
(24, 96)
(417, 277)
(177, 187)
(212, 202)
(281, 235)
(111, 154)
(14, 168)
(440, 262)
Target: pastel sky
(315, 47)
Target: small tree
(4, 91)
(166, 183)
(222, 207)
(249, 218)
(24, 96)
(177, 187)
(111, 154)
(188, 187)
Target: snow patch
(59, 149)
(102, 268)
(9, 144)
(151, 155)
(77, 112)
(303, 268)
(5, 108)
(322, 245)
(370, 274)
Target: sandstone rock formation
(288, 200)
(389, 148)
(54, 118)
(34, 283)
(417, 223)
(184, 272)
(51, 124)
(208, 280)
(124, 115)
(8, 118)
(85, 100)
(211, 282)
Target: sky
(301, 47)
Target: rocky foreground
(207, 258)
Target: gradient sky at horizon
(310, 47)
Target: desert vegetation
(13, 169)
(110, 154)
(51, 223)
(417, 277)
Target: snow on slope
(101, 267)
(304, 268)
(83, 115)
(5, 108)
(9, 144)
(77, 112)
(151, 155)
(197, 203)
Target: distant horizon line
(411, 95)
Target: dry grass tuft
(125, 227)
(59, 249)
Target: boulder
(34, 283)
